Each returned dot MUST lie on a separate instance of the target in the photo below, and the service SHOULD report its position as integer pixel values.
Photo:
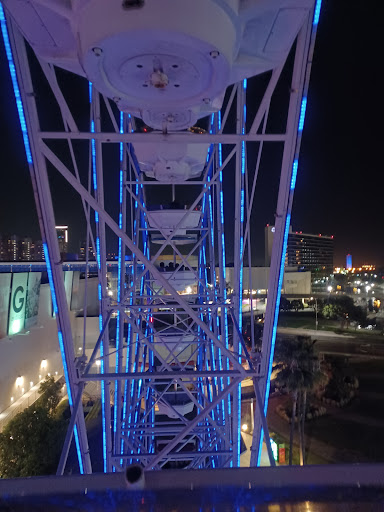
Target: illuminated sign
(18, 301)
(5, 286)
(33, 295)
(274, 449)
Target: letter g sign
(18, 306)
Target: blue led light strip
(294, 173)
(279, 286)
(316, 15)
(129, 335)
(226, 334)
(139, 384)
(219, 383)
(23, 124)
(121, 264)
(240, 312)
(295, 164)
(275, 319)
(15, 84)
(63, 355)
(127, 361)
(303, 109)
(98, 259)
(201, 354)
(135, 388)
(212, 350)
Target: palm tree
(298, 371)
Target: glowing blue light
(15, 84)
(127, 364)
(69, 392)
(93, 146)
(61, 345)
(302, 113)
(98, 252)
(275, 319)
(77, 442)
(211, 221)
(50, 277)
(316, 16)
(119, 269)
(242, 207)
(103, 398)
(121, 188)
(223, 254)
(294, 174)
(98, 258)
(121, 131)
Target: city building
(83, 251)
(311, 252)
(25, 249)
(305, 251)
(349, 261)
(15, 248)
(38, 251)
(62, 236)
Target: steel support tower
(170, 354)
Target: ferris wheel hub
(167, 62)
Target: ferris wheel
(160, 96)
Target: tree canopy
(296, 363)
(298, 370)
(31, 442)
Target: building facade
(312, 253)
(15, 248)
(306, 252)
(62, 236)
(83, 251)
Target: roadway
(352, 433)
(328, 342)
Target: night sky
(340, 181)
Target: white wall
(297, 283)
(21, 354)
(92, 327)
(294, 282)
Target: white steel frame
(130, 374)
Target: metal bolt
(206, 100)
(97, 51)
(214, 54)
(116, 99)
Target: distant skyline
(340, 180)
(73, 250)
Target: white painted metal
(175, 370)
(163, 62)
(170, 163)
(39, 177)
